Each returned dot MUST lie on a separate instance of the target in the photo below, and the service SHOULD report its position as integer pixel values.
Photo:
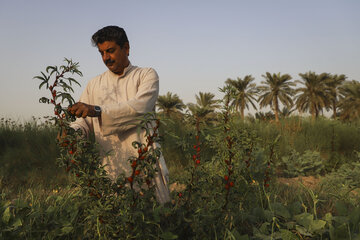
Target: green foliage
(225, 172)
(306, 164)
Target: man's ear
(127, 48)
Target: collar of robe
(126, 70)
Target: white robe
(123, 99)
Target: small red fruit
(195, 146)
(266, 185)
(198, 149)
(139, 151)
(227, 186)
(231, 184)
(137, 172)
(194, 157)
(197, 162)
(145, 149)
(130, 179)
(226, 177)
(134, 163)
(180, 194)
(197, 137)
(71, 152)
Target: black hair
(110, 33)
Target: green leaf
(304, 219)
(42, 84)
(303, 231)
(17, 223)
(39, 77)
(73, 80)
(341, 208)
(49, 67)
(287, 235)
(317, 225)
(6, 215)
(281, 210)
(168, 235)
(66, 230)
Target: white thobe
(123, 99)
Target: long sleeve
(121, 116)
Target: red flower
(195, 146)
(197, 162)
(231, 184)
(226, 177)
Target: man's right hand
(81, 109)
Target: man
(114, 100)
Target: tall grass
(28, 156)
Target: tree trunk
(242, 112)
(313, 112)
(276, 109)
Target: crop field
(275, 175)
(298, 179)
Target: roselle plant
(120, 208)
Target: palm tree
(205, 106)
(333, 86)
(349, 103)
(245, 93)
(314, 95)
(286, 111)
(170, 104)
(277, 88)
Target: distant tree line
(313, 94)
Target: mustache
(109, 62)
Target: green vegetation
(37, 198)
(275, 176)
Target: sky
(193, 45)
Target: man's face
(114, 57)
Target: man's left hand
(80, 109)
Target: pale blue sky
(194, 45)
